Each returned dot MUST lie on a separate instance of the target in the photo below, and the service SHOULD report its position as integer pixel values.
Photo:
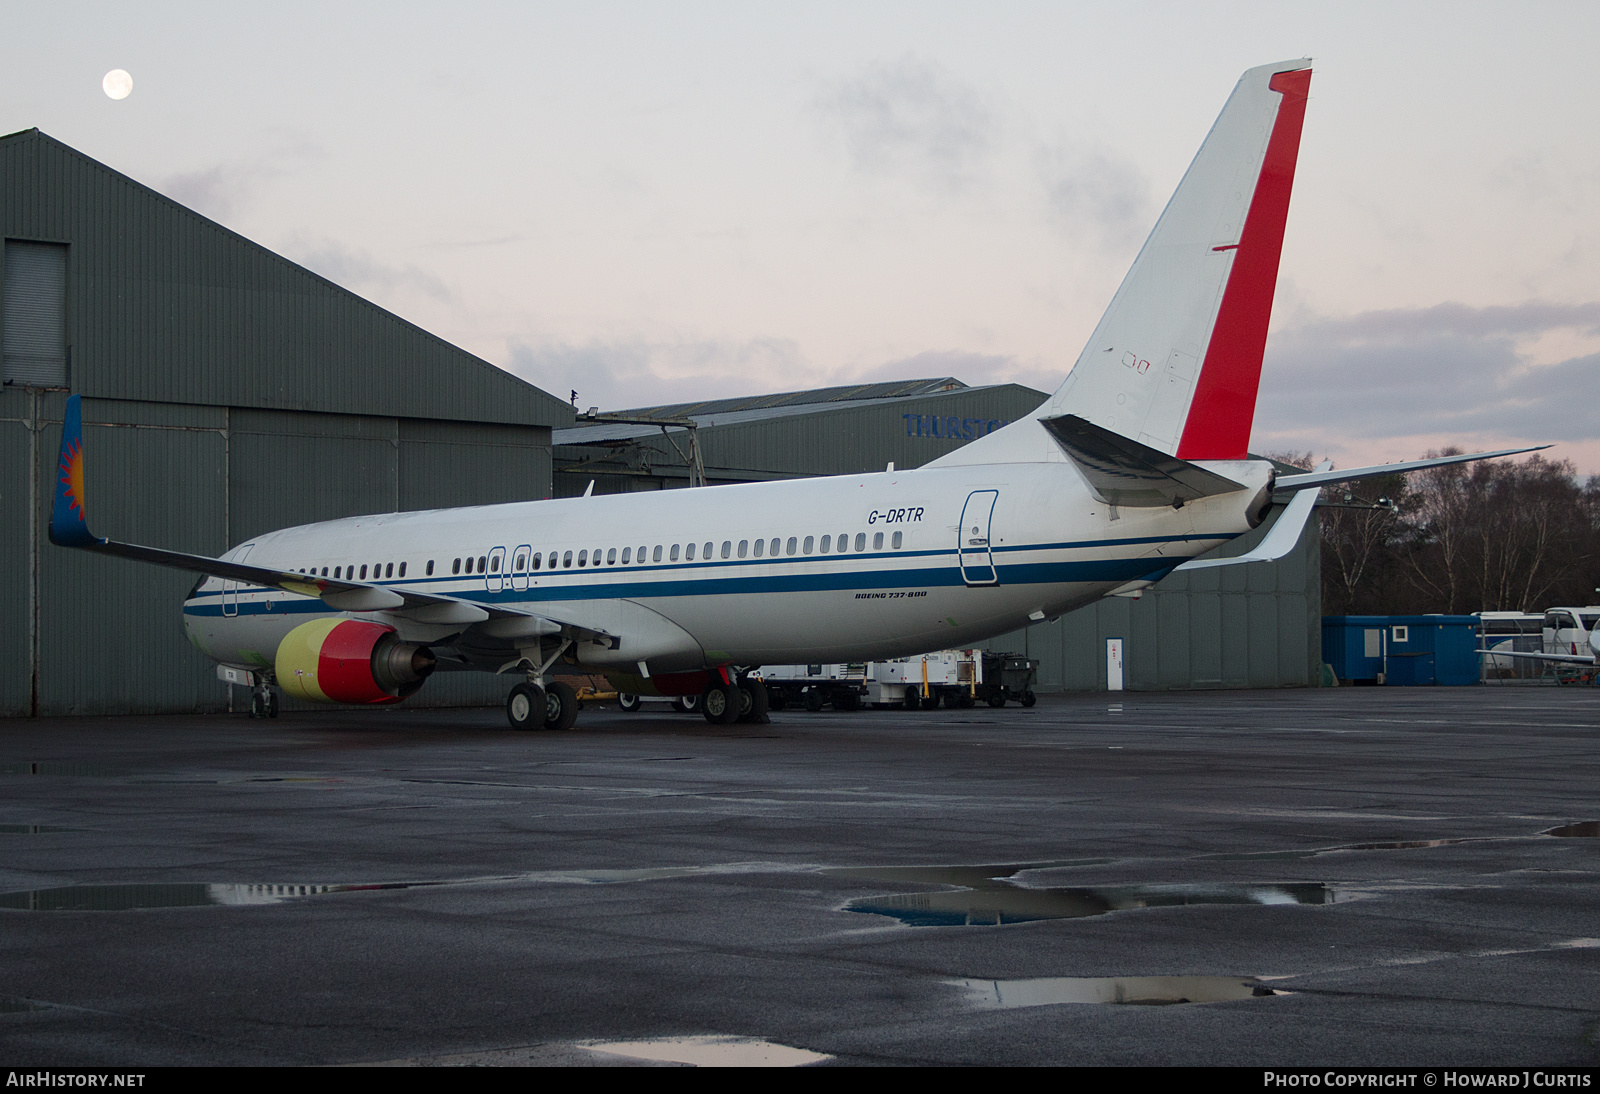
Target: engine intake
(350, 661)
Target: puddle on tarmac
(1587, 828)
(709, 1052)
(58, 769)
(31, 829)
(990, 898)
(127, 898)
(19, 1006)
(1113, 990)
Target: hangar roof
(715, 412)
(165, 305)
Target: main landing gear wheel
(263, 703)
(753, 702)
(560, 706)
(628, 701)
(525, 707)
(721, 704)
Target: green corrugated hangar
(226, 392)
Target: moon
(117, 84)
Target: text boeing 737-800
(1136, 466)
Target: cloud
(912, 118)
(1448, 369)
(360, 272)
(1090, 193)
(219, 191)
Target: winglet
(67, 526)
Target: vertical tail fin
(1175, 361)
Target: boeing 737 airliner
(1136, 466)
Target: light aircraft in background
(1136, 466)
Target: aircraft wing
(68, 528)
(1560, 658)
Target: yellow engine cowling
(350, 661)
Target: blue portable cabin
(1404, 650)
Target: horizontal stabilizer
(1121, 471)
(1321, 477)
(1280, 538)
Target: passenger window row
(380, 571)
(601, 556)
(761, 548)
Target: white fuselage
(930, 559)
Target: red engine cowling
(350, 661)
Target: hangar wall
(227, 392)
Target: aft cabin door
(972, 544)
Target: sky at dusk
(660, 202)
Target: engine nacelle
(350, 661)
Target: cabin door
(972, 539)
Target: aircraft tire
(272, 704)
(525, 707)
(755, 704)
(629, 701)
(560, 706)
(257, 707)
(814, 700)
(721, 703)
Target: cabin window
(827, 544)
(761, 547)
(522, 562)
(688, 552)
(877, 542)
(597, 552)
(744, 547)
(363, 572)
(494, 564)
(727, 548)
(792, 546)
(674, 554)
(481, 560)
(655, 556)
(566, 561)
(842, 544)
(583, 557)
(807, 545)
(324, 571)
(534, 565)
(402, 569)
(627, 554)
(641, 552)
(861, 541)
(429, 571)
(336, 571)
(455, 567)
(388, 570)
(897, 539)
(611, 557)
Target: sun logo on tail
(72, 476)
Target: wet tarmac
(1337, 877)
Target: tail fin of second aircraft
(1175, 361)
